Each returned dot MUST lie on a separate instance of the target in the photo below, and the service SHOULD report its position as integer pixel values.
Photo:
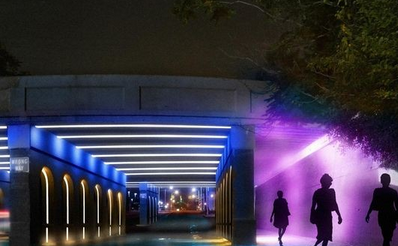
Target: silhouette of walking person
(383, 201)
(280, 214)
(323, 203)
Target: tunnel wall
(355, 178)
(57, 227)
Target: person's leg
(318, 242)
(387, 235)
(282, 232)
(325, 242)
(279, 233)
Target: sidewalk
(267, 238)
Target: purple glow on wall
(355, 177)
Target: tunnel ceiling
(161, 154)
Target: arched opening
(47, 196)
(98, 192)
(120, 200)
(83, 206)
(110, 208)
(67, 187)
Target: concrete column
(20, 207)
(242, 161)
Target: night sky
(128, 37)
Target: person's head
(279, 193)
(385, 179)
(326, 181)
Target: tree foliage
(336, 65)
(9, 65)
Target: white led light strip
(4, 163)
(148, 146)
(166, 168)
(132, 126)
(141, 136)
(3, 138)
(3, 127)
(157, 155)
(3, 147)
(177, 173)
(4, 156)
(4, 168)
(158, 162)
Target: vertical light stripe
(98, 204)
(84, 201)
(67, 199)
(46, 234)
(84, 232)
(47, 197)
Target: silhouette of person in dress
(323, 203)
(383, 201)
(280, 214)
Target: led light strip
(3, 138)
(148, 146)
(3, 147)
(132, 126)
(166, 168)
(158, 162)
(3, 127)
(178, 173)
(158, 155)
(4, 156)
(141, 136)
(4, 168)
(4, 163)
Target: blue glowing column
(242, 162)
(20, 207)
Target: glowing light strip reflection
(158, 162)
(84, 203)
(158, 155)
(132, 126)
(110, 211)
(148, 146)
(166, 168)
(47, 197)
(67, 207)
(141, 136)
(98, 211)
(182, 173)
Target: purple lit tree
(336, 64)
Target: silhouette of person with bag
(383, 201)
(323, 203)
(280, 214)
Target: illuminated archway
(120, 200)
(110, 208)
(47, 190)
(67, 186)
(84, 192)
(98, 192)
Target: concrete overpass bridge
(71, 147)
(74, 144)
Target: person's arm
(273, 212)
(367, 218)
(337, 210)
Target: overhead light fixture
(4, 168)
(4, 163)
(149, 146)
(141, 136)
(166, 168)
(3, 147)
(158, 162)
(133, 126)
(4, 156)
(3, 127)
(157, 155)
(3, 138)
(174, 173)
